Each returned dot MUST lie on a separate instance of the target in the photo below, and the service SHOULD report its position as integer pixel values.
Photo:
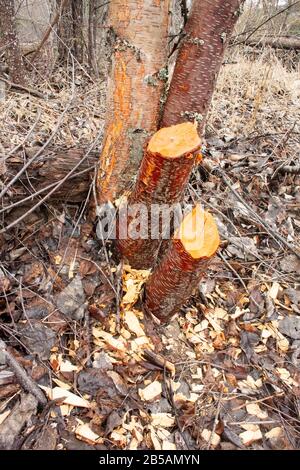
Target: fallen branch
(46, 172)
(276, 43)
(25, 381)
(25, 89)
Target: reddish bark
(178, 274)
(163, 176)
(199, 60)
(139, 30)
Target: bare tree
(11, 42)
(70, 29)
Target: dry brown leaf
(133, 323)
(151, 392)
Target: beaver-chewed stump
(164, 173)
(180, 270)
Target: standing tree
(11, 42)
(139, 30)
(70, 29)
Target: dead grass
(255, 95)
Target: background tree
(70, 30)
(11, 42)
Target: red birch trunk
(179, 272)
(207, 32)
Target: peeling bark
(163, 176)
(139, 31)
(206, 35)
(179, 272)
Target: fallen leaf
(133, 323)
(255, 410)
(151, 392)
(248, 437)
(213, 438)
(274, 433)
(68, 398)
(165, 420)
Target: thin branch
(263, 23)
(27, 383)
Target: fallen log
(163, 176)
(48, 169)
(275, 43)
(179, 272)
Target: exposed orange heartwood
(139, 32)
(162, 179)
(180, 270)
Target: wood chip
(151, 392)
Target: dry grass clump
(255, 95)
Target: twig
(215, 420)
(159, 361)
(30, 91)
(263, 23)
(25, 381)
(275, 235)
(233, 270)
(40, 151)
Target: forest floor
(224, 374)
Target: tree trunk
(199, 60)
(139, 31)
(178, 274)
(91, 35)
(12, 46)
(70, 30)
(163, 176)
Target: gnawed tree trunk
(11, 42)
(179, 272)
(206, 35)
(139, 31)
(163, 176)
(70, 29)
